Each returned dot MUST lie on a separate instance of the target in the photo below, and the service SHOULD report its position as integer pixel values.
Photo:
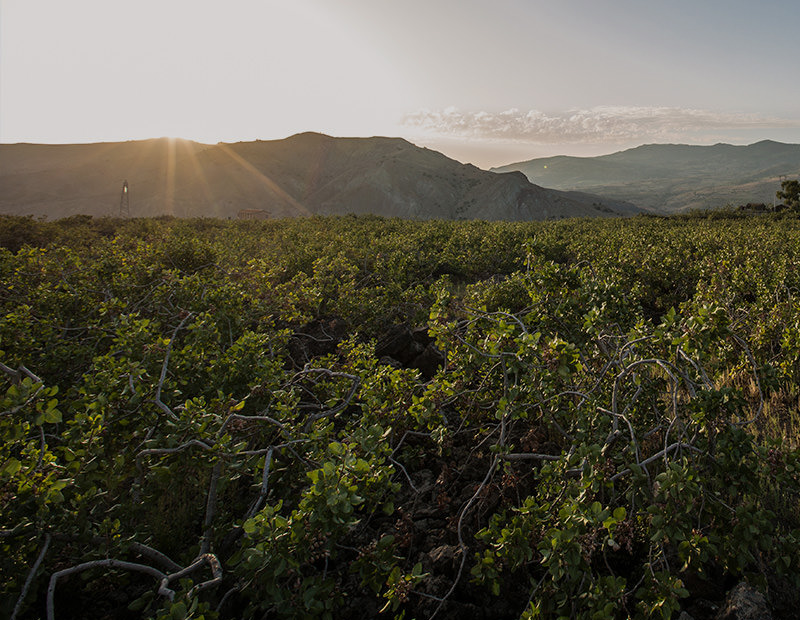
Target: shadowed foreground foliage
(585, 419)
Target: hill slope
(302, 175)
(672, 177)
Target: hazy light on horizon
(483, 82)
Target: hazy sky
(486, 81)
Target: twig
(211, 508)
(42, 446)
(342, 405)
(461, 543)
(16, 375)
(14, 410)
(225, 597)
(180, 448)
(108, 563)
(18, 529)
(403, 469)
(529, 456)
(656, 456)
(262, 493)
(257, 418)
(216, 572)
(155, 555)
(161, 405)
(26, 586)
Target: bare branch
(157, 400)
(529, 456)
(18, 529)
(26, 586)
(343, 404)
(462, 545)
(16, 375)
(403, 469)
(262, 493)
(180, 448)
(107, 563)
(211, 506)
(656, 456)
(256, 418)
(216, 571)
(155, 555)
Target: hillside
(302, 175)
(672, 177)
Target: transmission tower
(124, 203)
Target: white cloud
(602, 123)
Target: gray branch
(31, 575)
(157, 400)
(107, 563)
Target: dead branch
(262, 493)
(257, 418)
(157, 400)
(17, 530)
(17, 375)
(180, 448)
(660, 454)
(211, 508)
(216, 572)
(356, 382)
(155, 555)
(107, 563)
(462, 545)
(529, 456)
(26, 586)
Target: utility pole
(124, 203)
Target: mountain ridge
(672, 177)
(305, 174)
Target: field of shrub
(356, 417)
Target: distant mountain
(672, 177)
(305, 174)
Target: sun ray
(265, 180)
(170, 180)
(199, 176)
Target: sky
(488, 82)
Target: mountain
(305, 174)
(672, 177)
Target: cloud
(598, 124)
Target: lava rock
(744, 603)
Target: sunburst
(264, 179)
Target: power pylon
(124, 203)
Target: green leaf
(52, 416)
(11, 467)
(178, 611)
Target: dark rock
(398, 343)
(421, 335)
(445, 558)
(744, 603)
(390, 361)
(428, 362)
(410, 349)
(319, 337)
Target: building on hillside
(253, 214)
